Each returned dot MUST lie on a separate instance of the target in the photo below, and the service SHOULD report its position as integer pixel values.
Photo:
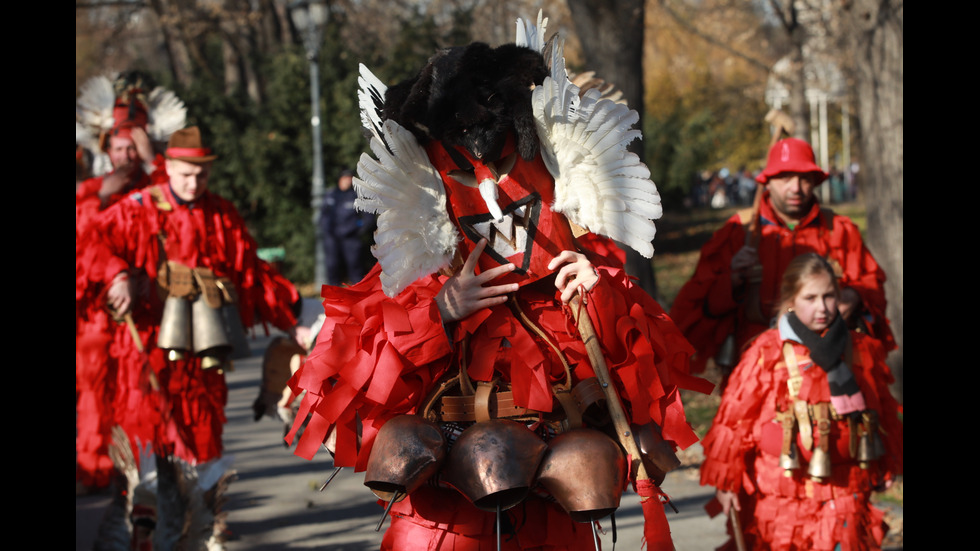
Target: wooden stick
(623, 429)
(737, 528)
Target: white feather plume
(532, 36)
(166, 114)
(415, 237)
(599, 184)
(370, 98)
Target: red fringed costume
(742, 452)
(707, 309)
(187, 413)
(383, 351)
(378, 357)
(93, 329)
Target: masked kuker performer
(454, 371)
(121, 122)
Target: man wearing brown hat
(175, 255)
(735, 287)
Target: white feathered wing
(599, 184)
(415, 237)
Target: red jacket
(707, 309)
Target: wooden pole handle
(623, 430)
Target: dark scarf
(827, 351)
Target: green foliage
(265, 150)
(708, 126)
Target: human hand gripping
(144, 147)
(120, 294)
(464, 293)
(744, 261)
(728, 500)
(576, 272)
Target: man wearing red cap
(134, 164)
(735, 287)
(176, 240)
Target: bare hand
(120, 294)
(727, 501)
(301, 334)
(746, 259)
(118, 181)
(576, 272)
(464, 293)
(143, 145)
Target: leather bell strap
(794, 383)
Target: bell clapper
(498, 525)
(595, 534)
(394, 498)
(612, 522)
(331, 478)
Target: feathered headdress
(598, 184)
(116, 102)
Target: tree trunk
(875, 28)
(611, 34)
(180, 59)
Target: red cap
(126, 115)
(790, 155)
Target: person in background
(345, 231)
(177, 240)
(135, 165)
(735, 286)
(807, 428)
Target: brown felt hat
(185, 145)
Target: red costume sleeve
(375, 357)
(863, 274)
(875, 377)
(705, 307)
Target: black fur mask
(472, 96)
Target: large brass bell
(585, 471)
(870, 448)
(240, 348)
(210, 339)
(790, 461)
(819, 467)
(493, 463)
(233, 321)
(175, 327)
(407, 451)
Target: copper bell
(240, 348)
(493, 463)
(727, 355)
(870, 448)
(658, 455)
(233, 321)
(175, 327)
(819, 464)
(585, 471)
(210, 339)
(407, 451)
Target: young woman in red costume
(807, 427)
